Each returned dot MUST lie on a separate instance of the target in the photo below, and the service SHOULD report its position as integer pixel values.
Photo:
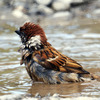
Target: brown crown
(31, 29)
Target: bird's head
(32, 34)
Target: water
(79, 41)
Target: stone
(96, 13)
(33, 9)
(18, 12)
(40, 10)
(44, 2)
(1, 2)
(60, 5)
(45, 10)
(62, 14)
(17, 3)
(77, 1)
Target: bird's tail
(86, 77)
(95, 76)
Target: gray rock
(44, 2)
(60, 5)
(1, 2)
(66, 14)
(17, 3)
(19, 12)
(44, 9)
(33, 9)
(96, 13)
(77, 1)
(40, 10)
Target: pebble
(78, 1)
(18, 12)
(46, 10)
(44, 2)
(62, 14)
(60, 5)
(96, 12)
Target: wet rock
(66, 14)
(1, 2)
(60, 5)
(33, 9)
(19, 12)
(44, 2)
(96, 13)
(45, 10)
(17, 3)
(78, 1)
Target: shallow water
(79, 41)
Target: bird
(37, 51)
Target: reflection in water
(67, 90)
(77, 42)
(63, 89)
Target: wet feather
(43, 61)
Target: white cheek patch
(34, 42)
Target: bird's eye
(22, 28)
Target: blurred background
(19, 11)
(71, 26)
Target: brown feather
(43, 62)
(31, 29)
(48, 56)
(56, 61)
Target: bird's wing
(50, 58)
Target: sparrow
(36, 48)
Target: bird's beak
(18, 32)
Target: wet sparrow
(44, 62)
